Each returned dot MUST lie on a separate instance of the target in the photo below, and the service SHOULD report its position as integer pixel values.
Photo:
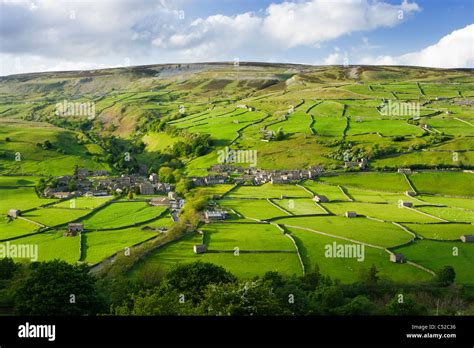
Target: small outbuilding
(320, 199)
(397, 258)
(404, 170)
(467, 238)
(14, 213)
(350, 214)
(73, 229)
(199, 249)
(410, 193)
(213, 215)
(406, 204)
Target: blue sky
(48, 35)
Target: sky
(57, 35)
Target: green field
(312, 247)
(21, 155)
(15, 228)
(9, 181)
(373, 181)
(245, 265)
(252, 208)
(21, 198)
(268, 191)
(102, 244)
(53, 245)
(54, 216)
(122, 214)
(299, 206)
(83, 202)
(360, 229)
(449, 183)
(436, 255)
(466, 203)
(333, 193)
(387, 212)
(245, 237)
(441, 231)
(360, 195)
(450, 214)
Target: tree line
(200, 288)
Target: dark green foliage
(192, 279)
(407, 306)
(250, 298)
(445, 276)
(360, 305)
(195, 145)
(48, 290)
(7, 268)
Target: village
(160, 194)
(101, 183)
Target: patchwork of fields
(294, 117)
(259, 231)
(110, 224)
(270, 227)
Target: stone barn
(14, 213)
(397, 258)
(199, 249)
(350, 214)
(214, 215)
(73, 229)
(320, 199)
(406, 204)
(467, 238)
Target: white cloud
(105, 32)
(455, 50)
(288, 25)
(312, 22)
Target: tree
(241, 299)
(369, 276)
(445, 276)
(72, 185)
(359, 305)
(311, 280)
(41, 185)
(326, 298)
(406, 306)
(160, 301)
(58, 288)
(183, 186)
(192, 279)
(7, 268)
(293, 299)
(165, 174)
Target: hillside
(294, 116)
